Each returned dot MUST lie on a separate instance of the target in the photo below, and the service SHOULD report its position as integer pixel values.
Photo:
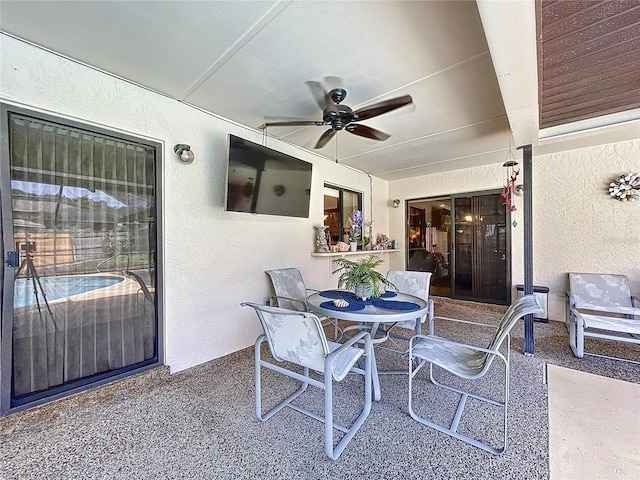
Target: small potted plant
(362, 276)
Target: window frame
(7, 275)
(342, 220)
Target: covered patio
(194, 417)
(200, 423)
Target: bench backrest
(605, 290)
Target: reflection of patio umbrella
(46, 189)
(43, 205)
(20, 222)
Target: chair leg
(452, 430)
(327, 385)
(576, 336)
(334, 452)
(258, 382)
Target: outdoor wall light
(396, 203)
(184, 153)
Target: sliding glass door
(464, 241)
(80, 246)
(481, 249)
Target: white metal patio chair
(601, 306)
(298, 338)
(416, 284)
(291, 293)
(467, 362)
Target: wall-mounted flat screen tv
(262, 180)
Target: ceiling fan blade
(325, 137)
(318, 92)
(368, 132)
(294, 123)
(383, 107)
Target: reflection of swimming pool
(59, 287)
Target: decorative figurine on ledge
(321, 239)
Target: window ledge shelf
(357, 252)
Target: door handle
(13, 259)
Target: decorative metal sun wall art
(626, 188)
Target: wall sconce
(396, 203)
(184, 153)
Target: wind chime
(509, 189)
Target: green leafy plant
(364, 272)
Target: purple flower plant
(356, 226)
(356, 219)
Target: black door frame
(452, 261)
(7, 274)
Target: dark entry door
(481, 249)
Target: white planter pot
(363, 291)
(353, 246)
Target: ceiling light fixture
(184, 153)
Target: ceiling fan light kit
(342, 117)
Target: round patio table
(391, 307)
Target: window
(339, 204)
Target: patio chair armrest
(329, 359)
(606, 309)
(279, 297)
(569, 304)
(352, 341)
(464, 345)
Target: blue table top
(394, 308)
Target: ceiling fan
(339, 116)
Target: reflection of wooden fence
(51, 250)
(46, 248)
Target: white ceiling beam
(510, 29)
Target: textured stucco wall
(576, 225)
(213, 259)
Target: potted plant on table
(362, 276)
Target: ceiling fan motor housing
(338, 116)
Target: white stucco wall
(577, 227)
(213, 259)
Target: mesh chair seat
(468, 362)
(462, 360)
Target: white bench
(601, 306)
